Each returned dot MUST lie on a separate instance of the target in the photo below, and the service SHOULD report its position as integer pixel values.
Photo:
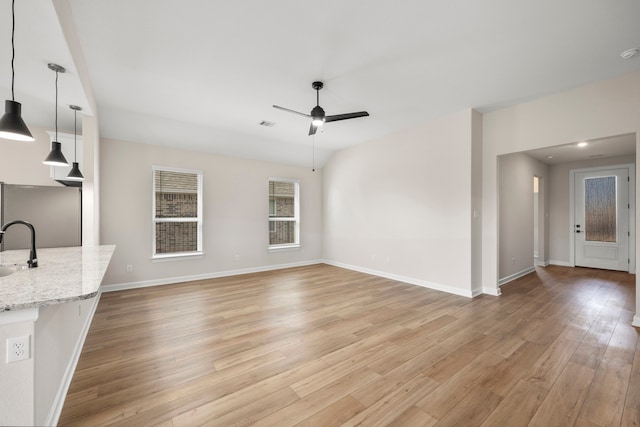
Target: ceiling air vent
(267, 123)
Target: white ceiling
(619, 145)
(39, 40)
(201, 74)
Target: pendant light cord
(313, 155)
(56, 105)
(75, 135)
(13, 49)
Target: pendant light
(75, 173)
(55, 157)
(11, 124)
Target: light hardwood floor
(323, 346)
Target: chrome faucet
(33, 258)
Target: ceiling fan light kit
(318, 116)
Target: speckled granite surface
(62, 275)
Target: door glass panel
(600, 209)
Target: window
(284, 213)
(177, 212)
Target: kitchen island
(63, 275)
(53, 305)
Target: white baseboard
(636, 321)
(491, 291)
(58, 402)
(542, 263)
(180, 279)
(476, 292)
(561, 263)
(405, 279)
(515, 276)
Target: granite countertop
(62, 275)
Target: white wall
(17, 378)
(401, 206)
(593, 111)
(59, 334)
(91, 183)
(559, 233)
(21, 162)
(235, 193)
(476, 200)
(515, 186)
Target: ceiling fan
(318, 117)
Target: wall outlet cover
(18, 348)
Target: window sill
(176, 257)
(284, 248)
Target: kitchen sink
(6, 271)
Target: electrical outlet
(237, 257)
(18, 348)
(129, 268)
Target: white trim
(174, 169)
(283, 248)
(19, 316)
(63, 388)
(515, 276)
(542, 263)
(636, 321)
(405, 279)
(490, 291)
(632, 219)
(216, 275)
(561, 263)
(631, 168)
(176, 256)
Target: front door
(601, 222)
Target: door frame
(632, 211)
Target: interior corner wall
(593, 111)
(235, 222)
(400, 206)
(516, 226)
(559, 232)
(476, 201)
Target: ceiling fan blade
(291, 111)
(313, 129)
(346, 116)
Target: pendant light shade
(55, 157)
(75, 174)
(11, 124)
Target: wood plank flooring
(324, 346)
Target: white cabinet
(60, 173)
